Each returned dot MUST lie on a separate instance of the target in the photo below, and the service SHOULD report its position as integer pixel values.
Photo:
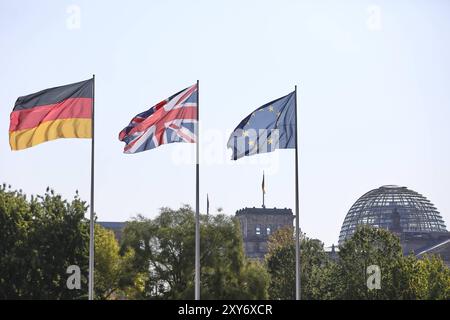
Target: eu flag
(269, 127)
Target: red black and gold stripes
(60, 112)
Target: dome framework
(379, 208)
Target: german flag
(60, 112)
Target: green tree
(426, 278)
(411, 279)
(401, 277)
(324, 282)
(438, 278)
(254, 281)
(40, 238)
(368, 246)
(164, 253)
(113, 270)
(15, 220)
(280, 261)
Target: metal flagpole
(297, 224)
(263, 191)
(197, 203)
(91, 224)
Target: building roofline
(433, 247)
(275, 210)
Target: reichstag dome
(394, 208)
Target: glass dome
(394, 208)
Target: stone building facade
(257, 224)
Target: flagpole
(297, 224)
(91, 222)
(263, 191)
(197, 203)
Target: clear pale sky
(374, 99)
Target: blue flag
(269, 127)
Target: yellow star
(245, 133)
(269, 141)
(271, 108)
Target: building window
(258, 231)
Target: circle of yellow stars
(245, 132)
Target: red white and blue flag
(171, 120)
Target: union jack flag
(171, 120)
